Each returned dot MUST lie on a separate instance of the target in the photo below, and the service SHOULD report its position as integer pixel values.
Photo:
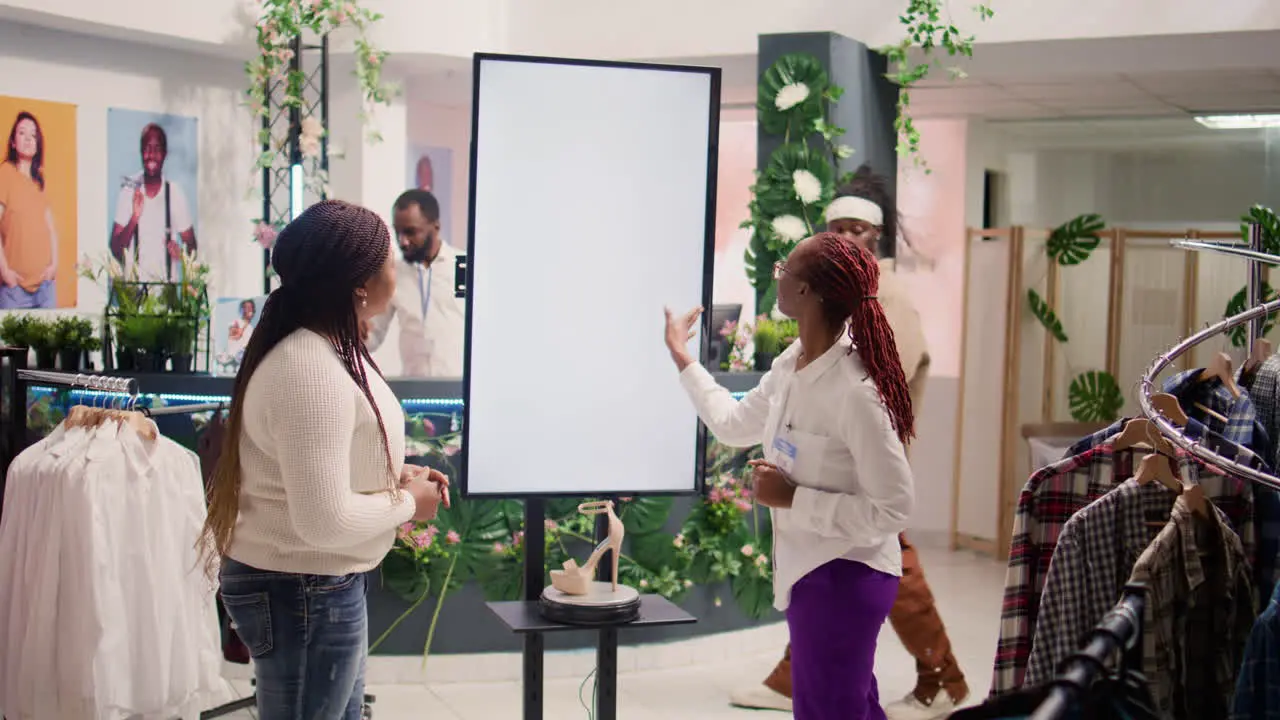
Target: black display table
(523, 618)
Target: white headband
(848, 207)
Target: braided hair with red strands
(847, 276)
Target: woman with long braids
(312, 484)
(864, 211)
(834, 416)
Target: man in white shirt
(429, 314)
(153, 221)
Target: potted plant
(771, 338)
(74, 336)
(14, 330)
(40, 334)
(178, 339)
(138, 337)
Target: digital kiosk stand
(525, 618)
(592, 207)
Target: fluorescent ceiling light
(1238, 122)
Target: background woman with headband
(864, 211)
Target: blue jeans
(15, 298)
(309, 638)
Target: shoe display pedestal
(526, 618)
(601, 606)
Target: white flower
(644, 583)
(748, 550)
(688, 583)
(789, 228)
(311, 128)
(679, 541)
(791, 95)
(808, 187)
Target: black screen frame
(709, 241)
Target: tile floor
(968, 588)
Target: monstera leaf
(643, 516)
(1045, 314)
(1235, 306)
(1095, 396)
(1072, 242)
(478, 524)
(758, 260)
(404, 576)
(753, 593)
(1266, 217)
(797, 82)
(778, 189)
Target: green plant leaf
(479, 524)
(775, 189)
(754, 594)
(1266, 217)
(404, 576)
(1095, 396)
(645, 515)
(1236, 305)
(654, 550)
(793, 69)
(1072, 242)
(1045, 314)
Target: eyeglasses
(779, 268)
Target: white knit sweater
(313, 467)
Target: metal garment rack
(1255, 316)
(1120, 629)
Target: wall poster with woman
(152, 170)
(38, 200)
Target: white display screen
(592, 208)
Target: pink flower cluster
(419, 538)
(265, 235)
(731, 490)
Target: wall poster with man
(38, 201)
(152, 171)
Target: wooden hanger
(1167, 405)
(1194, 496)
(1140, 432)
(91, 417)
(1258, 354)
(1220, 368)
(1157, 467)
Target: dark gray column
(866, 111)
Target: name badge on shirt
(786, 455)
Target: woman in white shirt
(833, 415)
(311, 484)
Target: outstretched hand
(680, 330)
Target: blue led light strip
(181, 398)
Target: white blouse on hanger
(105, 611)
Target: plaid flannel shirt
(1266, 501)
(1264, 388)
(1242, 418)
(1051, 496)
(1257, 694)
(1198, 615)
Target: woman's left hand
(432, 475)
(770, 484)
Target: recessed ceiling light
(1238, 122)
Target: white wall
(97, 74)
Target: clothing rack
(108, 384)
(1255, 316)
(184, 409)
(1120, 630)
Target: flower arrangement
(769, 335)
(275, 84)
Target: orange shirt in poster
(24, 227)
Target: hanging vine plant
(279, 22)
(929, 28)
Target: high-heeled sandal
(575, 579)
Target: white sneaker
(760, 697)
(910, 707)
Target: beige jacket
(908, 332)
